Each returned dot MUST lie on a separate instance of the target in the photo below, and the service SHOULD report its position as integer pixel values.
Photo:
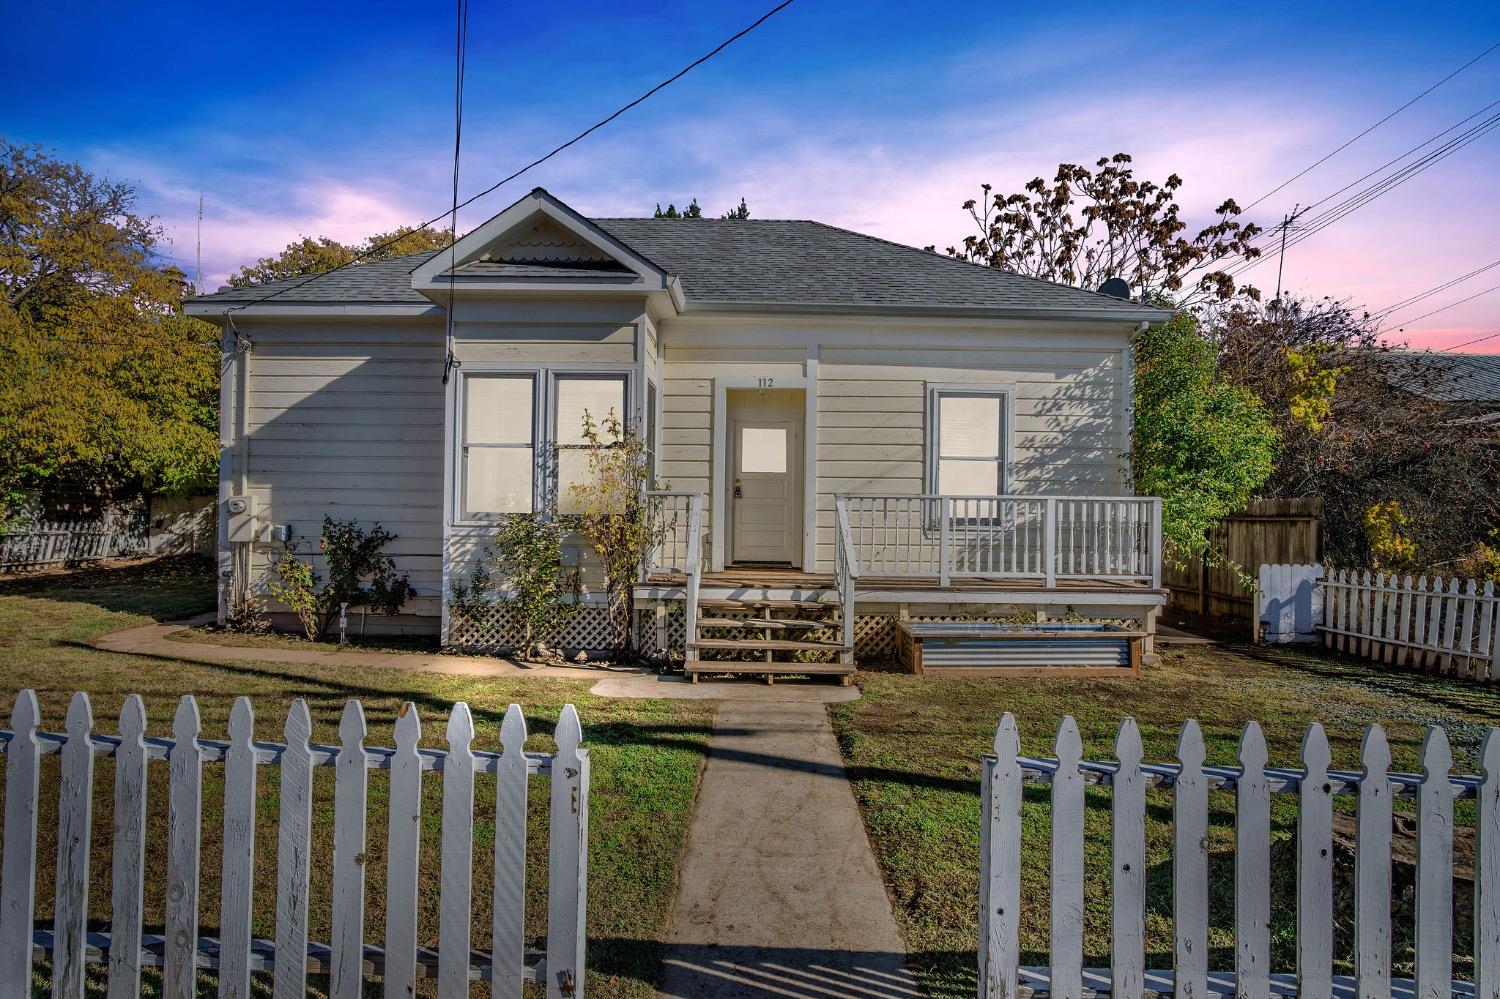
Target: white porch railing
(680, 515)
(1042, 538)
(1313, 787)
(180, 952)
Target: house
(839, 422)
(1465, 386)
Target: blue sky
(317, 118)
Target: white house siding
(1069, 407)
(345, 419)
(1071, 399)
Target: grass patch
(646, 759)
(913, 747)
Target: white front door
(766, 490)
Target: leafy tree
(1350, 435)
(695, 211)
(1200, 443)
(310, 255)
(613, 514)
(1090, 225)
(104, 384)
(545, 594)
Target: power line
(1414, 299)
(1444, 308)
(460, 45)
(1244, 265)
(539, 160)
(1470, 343)
(1372, 128)
(1381, 187)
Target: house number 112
(766, 382)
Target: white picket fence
(49, 543)
(1252, 783)
(180, 952)
(1448, 625)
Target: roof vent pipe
(1116, 287)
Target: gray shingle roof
(1444, 377)
(770, 262)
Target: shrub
(360, 575)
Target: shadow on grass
(164, 589)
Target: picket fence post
(128, 860)
(509, 944)
(351, 794)
(457, 873)
(1128, 855)
(1372, 869)
(238, 863)
(294, 844)
(567, 899)
(184, 823)
(1433, 930)
(1252, 858)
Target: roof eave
(208, 309)
(1138, 314)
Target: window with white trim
(968, 441)
(499, 445)
(579, 397)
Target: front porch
(906, 557)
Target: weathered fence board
(1423, 623)
(1253, 783)
(291, 957)
(48, 543)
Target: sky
(884, 117)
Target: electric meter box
(239, 518)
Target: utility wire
(1380, 188)
(1443, 308)
(1414, 299)
(461, 44)
(1470, 343)
(1372, 128)
(536, 162)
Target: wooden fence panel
(1254, 784)
(1448, 624)
(290, 957)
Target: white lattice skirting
(497, 628)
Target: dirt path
(779, 892)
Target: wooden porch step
(772, 624)
(694, 668)
(766, 645)
(730, 666)
(730, 602)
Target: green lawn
(913, 748)
(646, 759)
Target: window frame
(1006, 395)
(461, 514)
(552, 474)
(544, 378)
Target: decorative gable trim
(536, 230)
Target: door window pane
(498, 410)
(763, 449)
(969, 426)
(598, 397)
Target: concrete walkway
(779, 893)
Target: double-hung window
(499, 445)
(968, 440)
(580, 397)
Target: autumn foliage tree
(312, 255)
(1359, 427)
(104, 384)
(1091, 224)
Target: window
(968, 441)
(499, 445)
(651, 429)
(577, 395)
